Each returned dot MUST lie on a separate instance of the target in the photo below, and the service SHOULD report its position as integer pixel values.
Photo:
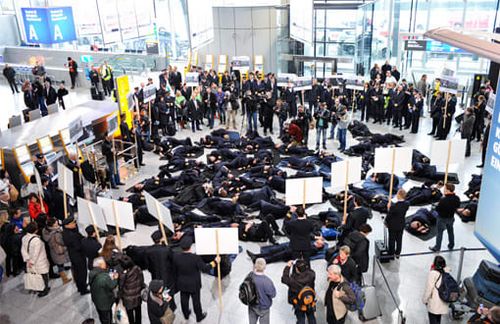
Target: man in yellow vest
(107, 78)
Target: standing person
(231, 107)
(39, 95)
(267, 112)
(194, 112)
(35, 256)
(73, 241)
(467, 127)
(300, 231)
(303, 120)
(484, 143)
(479, 110)
(363, 105)
(73, 71)
(74, 165)
(359, 244)
(395, 222)
(358, 216)
(107, 78)
(187, 268)
(281, 109)
(131, 284)
(322, 115)
(347, 264)
(251, 110)
(52, 234)
(436, 112)
(90, 246)
(29, 96)
(265, 291)
(338, 294)
(61, 92)
(422, 85)
(446, 209)
(109, 153)
(102, 285)
(10, 74)
(158, 304)
(343, 123)
(435, 305)
(416, 106)
(297, 275)
(377, 103)
(291, 99)
(10, 241)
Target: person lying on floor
(222, 155)
(474, 185)
(371, 199)
(419, 157)
(221, 207)
(385, 180)
(292, 150)
(168, 143)
(426, 171)
(282, 252)
(179, 163)
(250, 197)
(252, 145)
(428, 193)
(183, 152)
(297, 163)
(274, 207)
(468, 212)
(358, 129)
(421, 222)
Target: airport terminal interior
(263, 161)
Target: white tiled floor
(406, 276)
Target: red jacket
(35, 209)
(295, 132)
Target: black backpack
(248, 292)
(448, 290)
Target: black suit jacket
(395, 219)
(187, 269)
(300, 234)
(159, 264)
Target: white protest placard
(439, 152)
(192, 79)
(241, 63)
(283, 79)
(304, 191)
(490, 104)
(350, 168)
(402, 159)
(206, 240)
(124, 213)
(302, 83)
(38, 182)
(335, 80)
(160, 212)
(448, 84)
(354, 82)
(65, 179)
(149, 93)
(90, 213)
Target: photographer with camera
(251, 108)
(322, 116)
(281, 109)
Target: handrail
(400, 311)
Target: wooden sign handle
(160, 222)
(65, 202)
(391, 185)
(218, 270)
(91, 213)
(304, 194)
(445, 111)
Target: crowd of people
(237, 187)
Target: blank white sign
(38, 182)
(154, 206)
(402, 159)
(84, 217)
(294, 191)
(124, 212)
(339, 169)
(65, 179)
(206, 240)
(439, 152)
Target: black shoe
(44, 292)
(114, 187)
(252, 256)
(202, 317)
(187, 317)
(397, 256)
(433, 249)
(480, 166)
(450, 247)
(431, 134)
(84, 292)
(142, 164)
(120, 184)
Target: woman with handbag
(158, 302)
(52, 234)
(131, 284)
(37, 264)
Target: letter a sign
(48, 25)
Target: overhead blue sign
(438, 47)
(487, 220)
(49, 25)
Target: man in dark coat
(360, 247)
(102, 286)
(10, 74)
(90, 246)
(300, 231)
(299, 277)
(395, 222)
(74, 166)
(73, 242)
(187, 269)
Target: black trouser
(467, 144)
(362, 107)
(13, 264)
(61, 104)
(134, 315)
(45, 277)
(106, 84)
(105, 316)
(72, 76)
(301, 317)
(398, 117)
(395, 241)
(415, 121)
(79, 269)
(305, 255)
(195, 296)
(435, 123)
(389, 114)
(268, 121)
(434, 318)
(13, 85)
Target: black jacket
(90, 248)
(360, 247)
(300, 234)
(159, 264)
(107, 150)
(73, 241)
(395, 219)
(30, 100)
(9, 73)
(448, 205)
(356, 218)
(187, 269)
(50, 95)
(125, 131)
(296, 281)
(155, 310)
(131, 283)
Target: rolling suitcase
(381, 249)
(96, 94)
(371, 309)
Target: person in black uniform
(40, 162)
(125, 134)
(300, 231)
(109, 151)
(74, 165)
(395, 222)
(73, 241)
(187, 267)
(10, 74)
(90, 246)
